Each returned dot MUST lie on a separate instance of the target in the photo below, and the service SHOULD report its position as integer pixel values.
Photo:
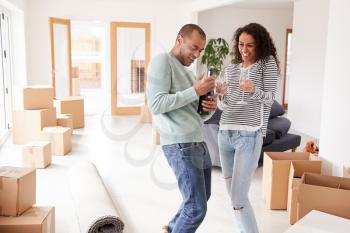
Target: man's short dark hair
(187, 30)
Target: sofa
(277, 137)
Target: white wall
(335, 125)
(17, 9)
(13, 4)
(166, 19)
(201, 5)
(307, 65)
(222, 22)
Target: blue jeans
(239, 154)
(191, 165)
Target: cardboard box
(27, 124)
(37, 97)
(34, 220)
(146, 114)
(75, 72)
(60, 138)
(155, 136)
(76, 86)
(346, 172)
(329, 194)
(65, 120)
(36, 154)
(74, 106)
(297, 169)
(17, 190)
(276, 176)
(319, 222)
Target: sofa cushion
(280, 125)
(215, 118)
(287, 142)
(276, 110)
(270, 136)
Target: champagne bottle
(200, 109)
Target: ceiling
(214, 3)
(151, 1)
(264, 4)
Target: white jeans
(239, 155)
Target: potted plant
(214, 55)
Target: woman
(246, 107)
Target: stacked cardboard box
(329, 194)
(37, 97)
(38, 112)
(34, 220)
(146, 115)
(297, 169)
(76, 86)
(60, 138)
(155, 136)
(293, 180)
(276, 176)
(74, 106)
(36, 154)
(65, 120)
(17, 193)
(346, 172)
(17, 197)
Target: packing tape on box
(10, 171)
(94, 207)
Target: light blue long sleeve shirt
(173, 101)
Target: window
(5, 75)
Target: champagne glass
(221, 83)
(243, 77)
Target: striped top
(255, 114)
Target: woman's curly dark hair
(264, 44)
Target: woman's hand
(221, 88)
(247, 86)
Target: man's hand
(204, 85)
(210, 104)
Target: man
(173, 97)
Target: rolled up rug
(95, 210)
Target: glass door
(130, 55)
(61, 61)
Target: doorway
(61, 61)
(287, 62)
(130, 55)
(89, 63)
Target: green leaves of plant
(215, 53)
